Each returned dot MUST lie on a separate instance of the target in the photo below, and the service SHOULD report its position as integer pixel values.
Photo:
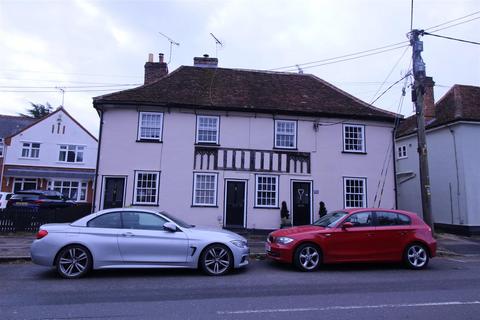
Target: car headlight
(283, 240)
(239, 243)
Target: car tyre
(74, 261)
(216, 260)
(308, 257)
(416, 256)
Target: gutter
(252, 109)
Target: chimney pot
(155, 70)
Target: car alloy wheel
(307, 257)
(416, 256)
(74, 262)
(216, 260)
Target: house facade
(225, 147)
(9, 125)
(453, 135)
(54, 152)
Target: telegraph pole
(418, 90)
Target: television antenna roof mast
(172, 43)
(217, 43)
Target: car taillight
(41, 234)
(38, 201)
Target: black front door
(235, 204)
(113, 195)
(301, 203)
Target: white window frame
(135, 188)
(82, 185)
(402, 152)
(362, 127)
(217, 128)
(257, 198)
(22, 182)
(363, 194)
(284, 133)
(194, 197)
(30, 150)
(76, 152)
(160, 127)
(2, 145)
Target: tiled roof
(247, 90)
(461, 102)
(9, 125)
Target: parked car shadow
(50, 274)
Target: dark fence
(30, 219)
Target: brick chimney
(155, 70)
(428, 99)
(205, 62)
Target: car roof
(352, 210)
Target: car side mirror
(347, 225)
(170, 226)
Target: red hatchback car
(355, 235)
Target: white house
(225, 147)
(453, 135)
(55, 152)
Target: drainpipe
(98, 162)
(394, 169)
(460, 220)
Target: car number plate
(267, 247)
(22, 204)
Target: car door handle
(402, 233)
(370, 234)
(127, 234)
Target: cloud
(121, 35)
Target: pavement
(17, 246)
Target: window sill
(213, 144)
(354, 152)
(25, 158)
(203, 206)
(285, 148)
(257, 207)
(145, 204)
(148, 141)
(71, 163)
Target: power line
(454, 25)
(353, 58)
(450, 38)
(391, 71)
(457, 19)
(318, 63)
(340, 57)
(390, 87)
(71, 87)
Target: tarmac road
(448, 289)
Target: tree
(38, 110)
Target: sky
(90, 48)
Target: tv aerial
(172, 43)
(217, 44)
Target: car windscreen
(330, 219)
(178, 221)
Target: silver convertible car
(136, 238)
